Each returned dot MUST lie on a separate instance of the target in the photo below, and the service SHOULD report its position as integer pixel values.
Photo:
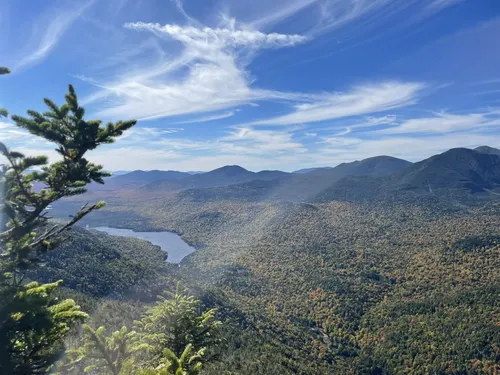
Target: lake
(171, 242)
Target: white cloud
(54, 27)
(358, 101)
(208, 75)
(214, 39)
(141, 134)
(257, 149)
(13, 136)
(211, 72)
(280, 11)
(220, 116)
(247, 140)
(368, 122)
(444, 123)
(405, 147)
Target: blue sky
(266, 84)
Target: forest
(312, 283)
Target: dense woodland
(334, 287)
(398, 275)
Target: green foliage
(340, 287)
(33, 322)
(107, 355)
(175, 322)
(101, 265)
(33, 326)
(145, 350)
(187, 364)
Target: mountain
(305, 186)
(458, 168)
(307, 170)
(487, 150)
(119, 173)
(458, 172)
(137, 179)
(228, 175)
(375, 166)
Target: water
(172, 243)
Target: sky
(265, 84)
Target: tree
(32, 321)
(106, 355)
(114, 355)
(188, 363)
(174, 322)
(154, 348)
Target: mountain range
(460, 170)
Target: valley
(331, 270)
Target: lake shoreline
(169, 241)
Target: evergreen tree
(104, 355)
(32, 321)
(188, 363)
(174, 322)
(155, 348)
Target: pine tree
(174, 322)
(114, 355)
(155, 348)
(188, 363)
(105, 355)
(32, 321)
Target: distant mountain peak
(230, 170)
(487, 150)
(231, 167)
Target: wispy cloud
(211, 65)
(358, 101)
(14, 136)
(211, 70)
(214, 39)
(260, 142)
(445, 123)
(54, 26)
(280, 11)
(283, 148)
(220, 116)
(405, 147)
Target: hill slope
(227, 175)
(100, 265)
(137, 179)
(376, 166)
(458, 168)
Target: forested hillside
(335, 286)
